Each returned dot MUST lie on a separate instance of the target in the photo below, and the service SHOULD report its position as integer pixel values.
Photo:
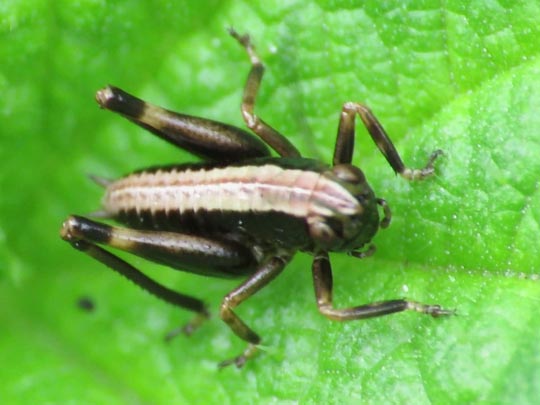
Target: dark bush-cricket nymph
(241, 212)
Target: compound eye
(349, 173)
(321, 232)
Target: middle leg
(262, 277)
(272, 137)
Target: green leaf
(456, 76)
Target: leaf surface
(463, 78)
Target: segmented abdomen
(262, 200)
(242, 189)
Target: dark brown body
(267, 204)
(241, 212)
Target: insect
(241, 212)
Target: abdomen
(265, 200)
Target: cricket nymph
(242, 212)
(309, 207)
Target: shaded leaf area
(463, 78)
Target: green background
(463, 78)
